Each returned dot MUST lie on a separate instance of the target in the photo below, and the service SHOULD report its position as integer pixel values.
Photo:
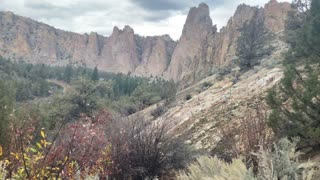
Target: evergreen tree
(7, 99)
(67, 75)
(23, 91)
(95, 74)
(296, 103)
(252, 43)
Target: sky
(146, 17)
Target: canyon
(200, 51)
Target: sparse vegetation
(280, 163)
(223, 72)
(158, 111)
(206, 85)
(246, 139)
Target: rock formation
(189, 52)
(199, 51)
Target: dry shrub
(213, 168)
(282, 162)
(142, 149)
(279, 163)
(247, 137)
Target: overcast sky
(146, 17)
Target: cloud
(162, 4)
(147, 17)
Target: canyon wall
(200, 49)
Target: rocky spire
(188, 51)
(198, 20)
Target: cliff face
(123, 51)
(189, 52)
(200, 49)
(155, 55)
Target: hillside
(202, 117)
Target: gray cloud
(147, 17)
(160, 5)
(39, 5)
(160, 15)
(73, 10)
(162, 9)
(155, 5)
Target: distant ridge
(201, 47)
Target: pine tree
(252, 45)
(296, 103)
(67, 75)
(7, 98)
(95, 75)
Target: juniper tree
(67, 75)
(95, 74)
(296, 103)
(252, 44)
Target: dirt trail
(66, 87)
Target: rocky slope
(202, 118)
(200, 50)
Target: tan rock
(200, 50)
(187, 54)
(156, 56)
(276, 15)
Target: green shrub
(206, 85)
(188, 97)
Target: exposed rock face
(224, 43)
(190, 51)
(200, 49)
(276, 15)
(119, 51)
(156, 55)
(123, 51)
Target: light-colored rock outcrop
(202, 118)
